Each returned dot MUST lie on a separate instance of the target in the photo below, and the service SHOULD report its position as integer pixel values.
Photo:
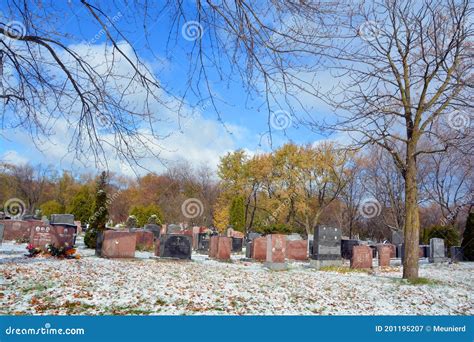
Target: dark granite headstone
(310, 246)
(248, 249)
(154, 228)
(400, 251)
(374, 251)
(326, 247)
(98, 243)
(252, 236)
(327, 243)
(62, 219)
(456, 253)
(237, 244)
(2, 229)
(426, 251)
(346, 248)
(175, 246)
(203, 242)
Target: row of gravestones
(173, 244)
(327, 250)
(60, 231)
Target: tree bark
(412, 222)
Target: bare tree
(29, 183)
(447, 180)
(410, 73)
(46, 74)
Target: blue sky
(202, 138)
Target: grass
(418, 281)
(423, 281)
(344, 270)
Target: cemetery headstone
(346, 248)
(384, 253)
(118, 244)
(259, 251)
(252, 236)
(456, 253)
(224, 248)
(154, 228)
(426, 251)
(203, 242)
(248, 249)
(397, 237)
(437, 252)
(294, 237)
(144, 239)
(361, 257)
(400, 251)
(62, 218)
(176, 246)
(276, 252)
(326, 247)
(173, 229)
(57, 235)
(99, 240)
(2, 229)
(297, 250)
(213, 242)
(237, 244)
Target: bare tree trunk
(412, 222)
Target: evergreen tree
(467, 244)
(237, 214)
(99, 217)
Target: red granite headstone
(297, 250)
(144, 239)
(213, 242)
(384, 252)
(224, 247)
(276, 248)
(220, 247)
(119, 244)
(361, 257)
(57, 235)
(393, 250)
(259, 246)
(18, 229)
(157, 247)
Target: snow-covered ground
(147, 285)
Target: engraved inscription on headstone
(175, 246)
